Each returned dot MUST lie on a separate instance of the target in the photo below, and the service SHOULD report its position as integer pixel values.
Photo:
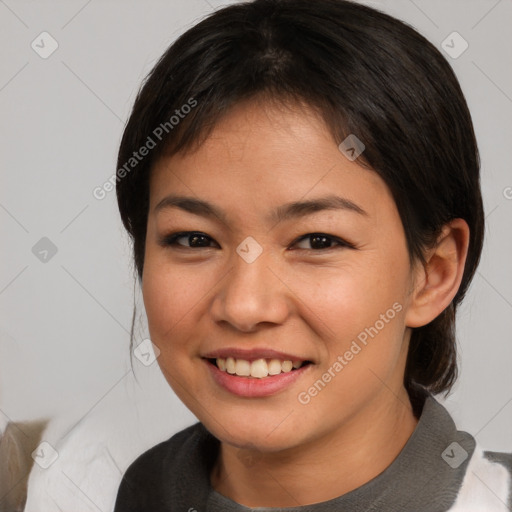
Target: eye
(321, 241)
(195, 239)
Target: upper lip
(252, 354)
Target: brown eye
(188, 239)
(321, 241)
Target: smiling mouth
(257, 369)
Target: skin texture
(276, 451)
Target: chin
(249, 431)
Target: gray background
(64, 333)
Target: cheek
(364, 352)
(342, 301)
(168, 296)
(359, 314)
(171, 301)
(175, 298)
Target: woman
(301, 183)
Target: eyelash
(171, 240)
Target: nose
(251, 294)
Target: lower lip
(252, 387)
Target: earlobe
(437, 282)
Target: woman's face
(254, 279)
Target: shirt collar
(422, 477)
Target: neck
(323, 469)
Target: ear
(437, 282)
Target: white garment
(93, 456)
(486, 487)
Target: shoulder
(475, 479)
(487, 483)
(148, 476)
(165, 453)
(505, 459)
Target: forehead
(261, 153)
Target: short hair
(365, 73)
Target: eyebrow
(287, 211)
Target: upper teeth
(259, 368)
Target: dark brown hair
(365, 73)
